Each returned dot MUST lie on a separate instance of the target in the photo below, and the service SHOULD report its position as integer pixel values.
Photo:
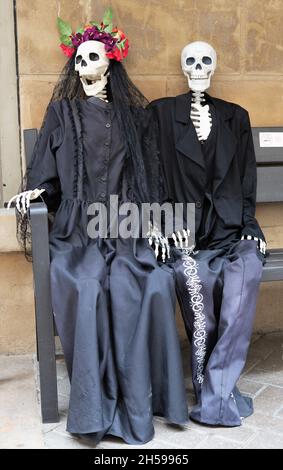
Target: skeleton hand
(202, 120)
(156, 239)
(181, 240)
(23, 199)
(261, 245)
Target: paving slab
(262, 379)
(20, 425)
(214, 442)
(249, 387)
(265, 440)
(270, 400)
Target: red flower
(67, 50)
(126, 48)
(115, 54)
(119, 54)
(121, 34)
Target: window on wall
(10, 162)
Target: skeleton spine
(197, 97)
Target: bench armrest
(43, 311)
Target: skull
(198, 61)
(92, 64)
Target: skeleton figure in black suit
(208, 157)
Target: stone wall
(247, 35)
(17, 320)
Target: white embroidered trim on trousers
(194, 286)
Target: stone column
(10, 168)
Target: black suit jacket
(234, 183)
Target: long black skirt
(114, 309)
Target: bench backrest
(30, 136)
(269, 160)
(268, 143)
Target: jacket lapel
(187, 142)
(186, 138)
(226, 144)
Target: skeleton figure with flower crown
(113, 302)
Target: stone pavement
(262, 379)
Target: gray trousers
(217, 292)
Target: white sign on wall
(271, 139)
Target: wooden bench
(270, 189)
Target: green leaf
(108, 28)
(121, 44)
(64, 28)
(66, 40)
(108, 16)
(80, 30)
(93, 23)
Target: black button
(107, 144)
(105, 161)
(198, 204)
(102, 194)
(103, 178)
(108, 125)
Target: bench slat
(275, 257)
(270, 184)
(267, 154)
(273, 265)
(275, 251)
(273, 268)
(272, 273)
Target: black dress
(114, 305)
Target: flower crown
(115, 41)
